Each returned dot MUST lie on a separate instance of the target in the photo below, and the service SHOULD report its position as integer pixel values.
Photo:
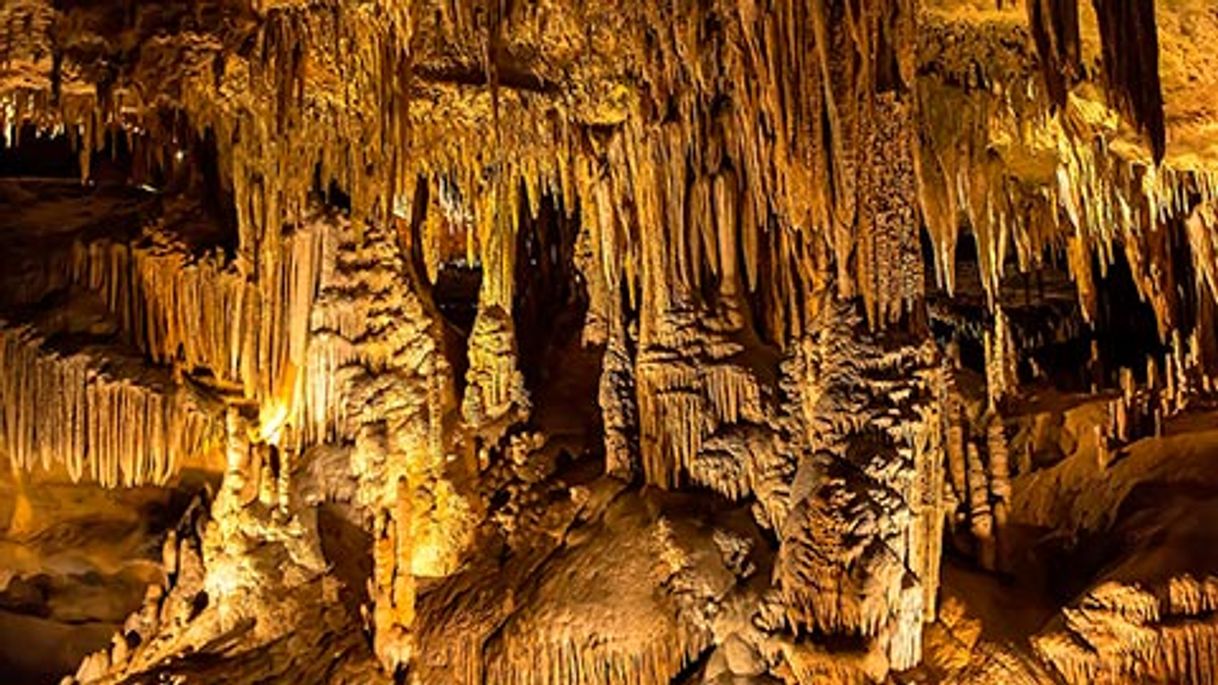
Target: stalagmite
(494, 386)
(873, 500)
(1001, 372)
(1123, 633)
(381, 347)
(619, 410)
(1000, 487)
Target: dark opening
(550, 296)
(31, 154)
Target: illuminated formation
(590, 342)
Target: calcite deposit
(590, 342)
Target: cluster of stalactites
(1130, 54)
(975, 125)
(84, 411)
(830, 197)
(828, 194)
(187, 313)
(1033, 182)
(249, 331)
(831, 191)
(1152, 214)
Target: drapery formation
(83, 408)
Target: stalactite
(1131, 65)
(889, 254)
(95, 413)
(1054, 25)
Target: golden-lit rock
(622, 343)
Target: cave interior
(609, 342)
